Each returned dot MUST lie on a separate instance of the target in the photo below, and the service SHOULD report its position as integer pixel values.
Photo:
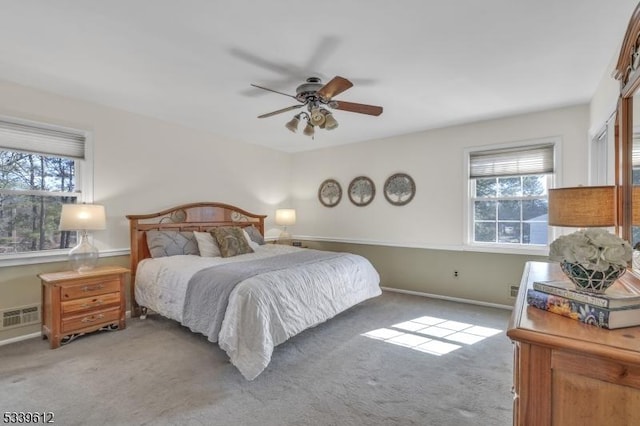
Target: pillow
(207, 245)
(251, 243)
(231, 241)
(171, 243)
(254, 234)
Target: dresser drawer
(96, 302)
(88, 288)
(74, 302)
(72, 324)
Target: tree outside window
(509, 194)
(33, 188)
(510, 210)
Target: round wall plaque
(361, 191)
(399, 189)
(330, 193)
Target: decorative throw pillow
(254, 234)
(251, 243)
(207, 245)
(171, 243)
(231, 241)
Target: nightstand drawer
(101, 301)
(90, 287)
(76, 303)
(74, 324)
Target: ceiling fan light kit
(293, 124)
(317, 118)
(314, 95)
(330, 123)
(308, 130)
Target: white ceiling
(429, 63)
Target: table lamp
(583, 206)
(83, 218)
(284, 218)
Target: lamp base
(84, 256)
(284, 238)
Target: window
(635, 178)
(599, 155)
(508, 201)
(40, 169)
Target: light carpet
(156, 372)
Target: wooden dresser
(569, 373)
(76, 303)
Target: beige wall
(418, 246)
(143, 165)
(604, 100)
(482, 277)
(435, 160)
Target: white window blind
(42, 140)
(635, 156)
(529, 160)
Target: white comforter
(264, 310)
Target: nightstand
(77, 303)
(294, 243)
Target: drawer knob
(93, 287)
(93, 318)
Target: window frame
(84, 191)
(553, 180)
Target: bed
(207, 266)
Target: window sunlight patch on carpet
(436, 336)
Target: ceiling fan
(317, 96)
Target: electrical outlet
(513, 290)
(455, 274)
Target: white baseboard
(36, 334)
(451, 299)
(20, 338)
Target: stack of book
(618, 307)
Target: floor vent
(513, 291)
(18, 317)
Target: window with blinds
(635, 158)
(38, 173)
(509, 188)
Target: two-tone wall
(418, 246)
(143, 165)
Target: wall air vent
(21, 316)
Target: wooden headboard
(188, 217)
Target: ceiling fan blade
(290, 73)
(274, 91)
(269, 114)
(336, 86)
(251, 58)
(324, 49)
(359, 108)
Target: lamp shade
(87, 217)
(286, 217)
(308, 130)
(317, 117)
(583, 206)
(635, 206)
(293, 124)
(330, 122)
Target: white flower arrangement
(594, 249)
